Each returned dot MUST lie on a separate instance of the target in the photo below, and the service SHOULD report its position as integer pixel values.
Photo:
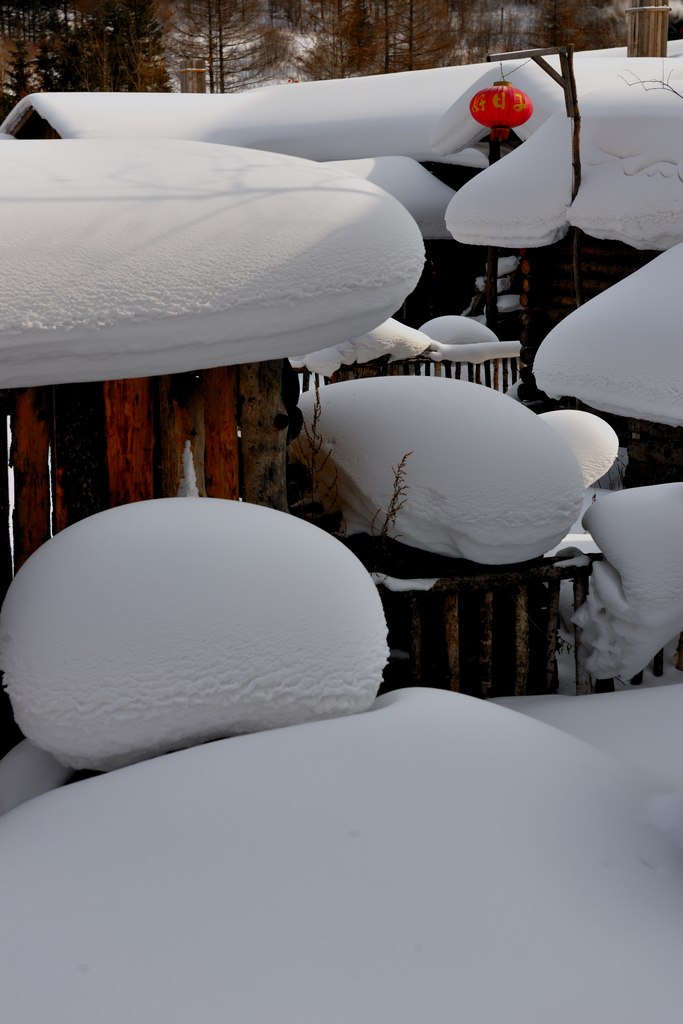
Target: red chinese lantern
(500, 108)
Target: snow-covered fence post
(648, 29)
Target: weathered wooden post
(193, 75)
(648, 29)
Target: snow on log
(166, 623)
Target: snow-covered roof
(621, 351)
(126, 258)
(631, 170)
(350, 870)
(345, 119)
(423, 195)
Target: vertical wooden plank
(506, 381)
(487, 373)
(584, 682)
(521, 640)
(415, 640)
(264, 422)
(29, 456)
(678, 660)
(129, 440)
(452, 633)
(496, 374)
(470, 373)
(6, 410)
(551, 633)
(78, 454)
(486, 645)
(221, 454)
(658, 664)
(181, 421)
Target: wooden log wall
(548, 294)
(488, 631)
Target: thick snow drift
(621, 351)
(164, 623)
(349, 871)
(424, 196)
(126, 258)
(631, 173)
(392, 338)
(486, 479)
(635, 602)
(513, 204)
(593, 441)
(345, 119)
(464, 339)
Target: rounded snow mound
(592, 440)
(458, 330)
(391, 338)
(133, 257)
(621, 350)
(166, 623)
(486, 480)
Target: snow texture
(635, 601)
(166, 623)
(593, 441)
(458, 330)
(345, 119)
(487, 480)
(391, 338)
(128, 258)
(349, 871)
(424, 196)
(621, 351)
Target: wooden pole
(30, 454)
(452, 632)
(264, 422)
(648, 30)
(129, 439)
(221, 456)
(181, 424)
(78, 455)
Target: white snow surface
(635, 600)
(343, 119)
(593, 441)
(349, 870)
(631, 172)
(391, 338)
(458, 330)
(486, 479)
(514, 203)
(641, 727)
(127, 258)
(165, 623)
(621, 351)
(424, 196)
(27, 771)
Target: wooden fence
(498, 374)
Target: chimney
(193, 75)
(648, 30)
